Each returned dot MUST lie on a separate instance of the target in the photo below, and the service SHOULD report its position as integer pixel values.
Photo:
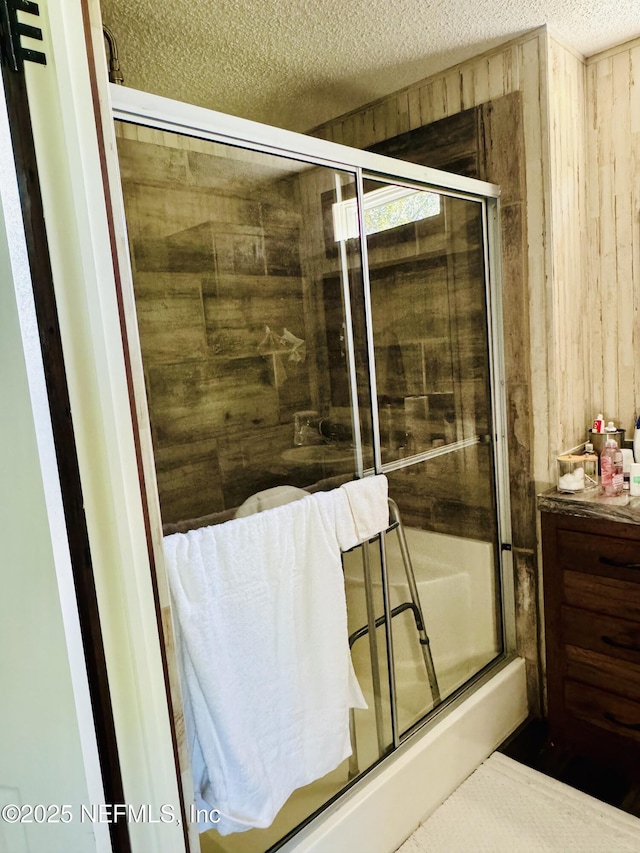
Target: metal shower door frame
(490, 218)
(141, 108)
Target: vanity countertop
(591, 504)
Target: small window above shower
(383, 209)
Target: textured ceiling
(297, 63)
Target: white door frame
(16, 278)
(63, 97)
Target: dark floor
(530, 745)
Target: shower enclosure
(306, 314)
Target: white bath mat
(505, 807)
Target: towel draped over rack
(261, 630)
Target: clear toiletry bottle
(611, 469)
(590, 465)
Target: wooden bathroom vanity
(591, 560)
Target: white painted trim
(73, 196)
(389, 803)
(20, 280)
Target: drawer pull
(619, 564)
(613, 719)
(631, 647)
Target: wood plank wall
(613, 231)
(518, 66)
(568, 353)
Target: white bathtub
(455, 578)
(381, 810)
(456, 586)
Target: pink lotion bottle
(612, 478)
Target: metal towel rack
(373, 623)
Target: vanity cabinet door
(592, 634)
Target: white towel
(262, 634)
(269, 499)
(369, 504)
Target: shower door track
(143, 108)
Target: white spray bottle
(636, 441)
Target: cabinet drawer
(605, 673)
(611, 596)
(587, 552)
(605, 710)
(609, 635)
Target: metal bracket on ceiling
(12, 30)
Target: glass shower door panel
(242, 291)
(432, 361)
(246, 370)
(450, 536)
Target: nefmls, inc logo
(203, 815)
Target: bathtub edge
(379, 814)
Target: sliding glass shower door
(426, 262)
(302, 322)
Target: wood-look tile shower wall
(222, 248)
(206, 286)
